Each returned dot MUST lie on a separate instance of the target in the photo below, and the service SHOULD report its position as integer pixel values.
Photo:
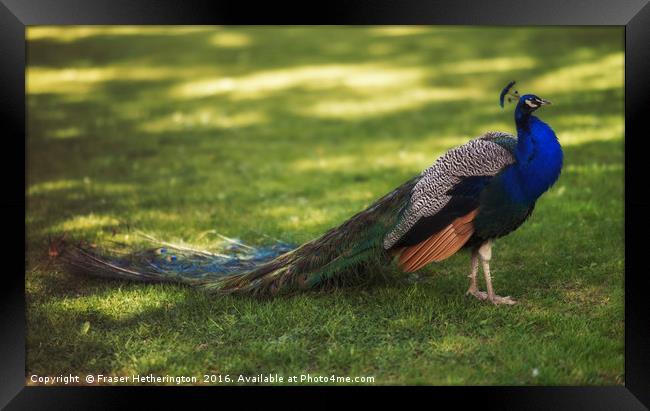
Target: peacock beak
(544, 102)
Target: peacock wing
(438, 219)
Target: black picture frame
(15, 15)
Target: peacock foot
(481, 295)
(507, 300)
(496, 299)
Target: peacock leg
(473, 288)
(485, 253)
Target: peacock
(471, 195)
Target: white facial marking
(530, 103)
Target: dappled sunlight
(593, 168)
(403, 159)
(229, 39)
(604, 73)
(335, 162)
(569, 137)
(397, 31)
(503, 126)
(386, 100)
(587, 121)
(66, 132)
(79, 80)
(338, 162)
(262, 84)
(160, 216)
(73, 33)
(293, 217)
(116, 304)
(488, 65)
(42, 80)
(206, 118)
(95, 223)
(454, 345)
(86, 222)
(585, 295)
(49, 187)
(556, 191)
(351, 196)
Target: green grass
(286, 132)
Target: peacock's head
(526, 103)
(530, 102)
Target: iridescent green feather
(340, 255)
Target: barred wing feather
(437, 221)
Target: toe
(504, 300)
(481, 295)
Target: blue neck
(538, 159)
(526, 142)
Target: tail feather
(169, 263)
(351, 250)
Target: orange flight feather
(440, 245)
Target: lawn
(256, 133)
